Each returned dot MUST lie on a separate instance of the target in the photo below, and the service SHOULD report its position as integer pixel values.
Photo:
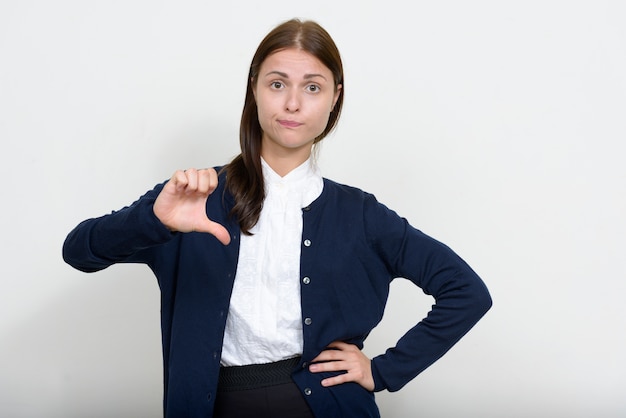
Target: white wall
(497, 127)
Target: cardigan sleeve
(461, 297)
(120, 236)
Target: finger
(192, 180)
(335, 351)
(340, 345)
(328, 355)
(215, 229)
(213, 179)
(204, 182)
(179, 180)
(330, 366)
(207, 180)
(352, 372)
(220, 233)
(337, 380)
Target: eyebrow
(284, 75)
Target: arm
(461, 300)
(178, 205)
(461, 297)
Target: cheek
(322, 115)
(263, 112)
(263, 120)
(265, 106)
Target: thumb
(216, 230)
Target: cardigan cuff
(379, 382)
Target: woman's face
(295, 94)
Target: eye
(276, 85)
(313, 88)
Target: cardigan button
(307, 242)
(308, 321)
(306, 208)
(306, 280)
(307, 391)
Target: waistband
(255, 376)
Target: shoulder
(350, 197)
(345, 191)
(353, 197)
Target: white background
(497, 127)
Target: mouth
(289, 123)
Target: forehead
(294, 62)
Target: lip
(289, 123)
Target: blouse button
(306, 280)
(307, 243)
(308, 321)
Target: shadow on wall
(94, 352)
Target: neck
(283, 164)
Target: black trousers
(260, 391)
(278, 401)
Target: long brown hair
(244, 174)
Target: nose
(292, 103)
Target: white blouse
(264, 321)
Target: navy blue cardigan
(352, 247)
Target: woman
(271, 276)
